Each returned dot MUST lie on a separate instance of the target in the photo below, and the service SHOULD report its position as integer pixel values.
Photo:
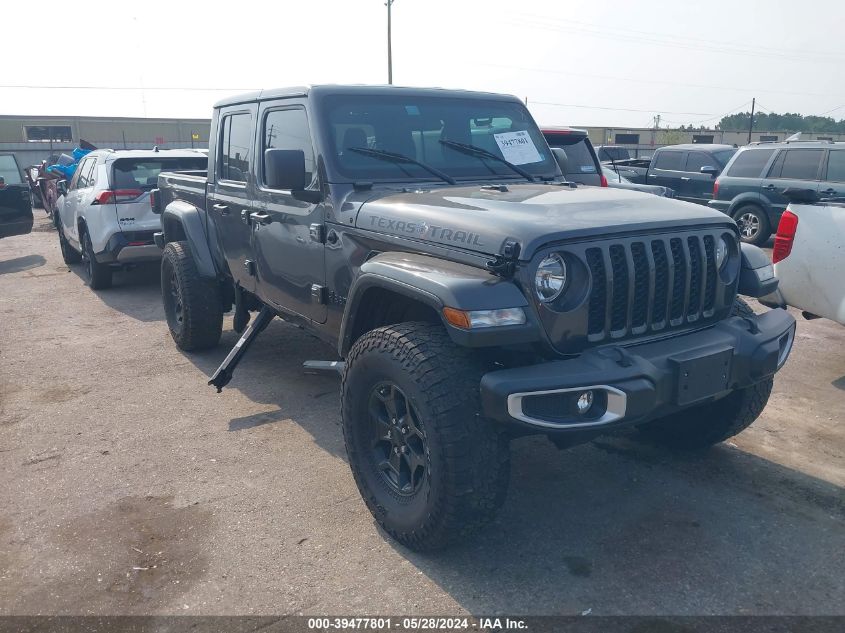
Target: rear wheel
(191, 303)
(429, 468)
(753, 224)
(99, 275)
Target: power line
(592, 107)
(42, 87)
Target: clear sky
(600, 62)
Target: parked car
(612, 153)
(688, 169)
(581, 165)
(473, 294)
(15, 200)
(808, 254)
(105, 216)
(750, 189)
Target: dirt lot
(128, 486)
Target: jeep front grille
(648, 285)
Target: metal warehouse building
(33, 139)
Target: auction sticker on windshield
(517, 147)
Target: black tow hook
(224, 373)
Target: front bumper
(641, 382)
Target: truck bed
(189, 186)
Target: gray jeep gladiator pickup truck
(472, 293)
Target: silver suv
(105, 217)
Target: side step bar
(333, 367)
(224, 373)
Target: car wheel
(429, 468)
(192, 303)
(705, 425)
(69, 254)
(99, 276)
(753, 224)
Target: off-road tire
(765, 230)
(69, 254)
(99, 275)
(715, 422)
(199, 324)
(467, 457)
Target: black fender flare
(183, 221)
(753, 198)
(440, 283)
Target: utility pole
(751, 123)
(389, 49)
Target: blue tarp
(68, 167)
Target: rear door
(833, 180)
(792, 167)
(232, 190)
(78, 190)
(288, 242)
(667, 168)
(15, 199)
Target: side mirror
(61, 187)
(285, 169)
(709, 169)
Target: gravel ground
(130, 487)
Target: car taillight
(785, 237)
(716, 190)
(603, 181)
(117, 195)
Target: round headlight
(551, 278)
(721, 252)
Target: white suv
(105, 217)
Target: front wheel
(69, 255)
(753, 224)
(429, 468)
(191, 302)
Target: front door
(231, 194)
(287, 237)
(698, 187)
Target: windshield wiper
(401, 158)
(474, 150)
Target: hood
(481, 219)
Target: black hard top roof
(302, 91)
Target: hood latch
(504, 264)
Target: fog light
(585, 401)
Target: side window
(288, 129)
(750, 163)
(233, 155)
(802, 164)
(697, 160)
(669, 160)
(74, 181)
(836, 166)
(85, 170)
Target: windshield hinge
(504, 264)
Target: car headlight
(721, 252)
(550, 279)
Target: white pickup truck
(809, 254)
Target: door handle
(828, 192)
(652, 175)
(222, 208)
(685, 178)
(769, 187)
(260, 218)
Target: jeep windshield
(415, 126)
